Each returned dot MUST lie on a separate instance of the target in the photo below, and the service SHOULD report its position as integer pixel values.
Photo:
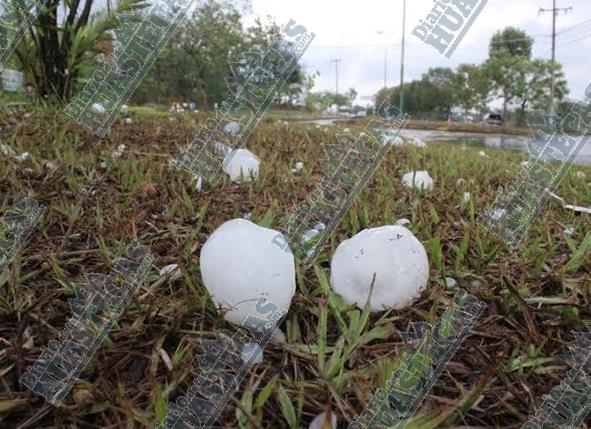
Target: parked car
(493, 119)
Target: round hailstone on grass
(394, 255)
(402, 222)
(418, 179)
(466, 197)
(241, 165)
(240, 264)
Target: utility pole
(385, 60)
(401, 107)
(336, 64)
(554, 11)
(386, 67)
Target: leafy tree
(55, 51)
(535, 91)
(323, 100)
(512, 41)
(515, 77)
(207, 50)
(472, 87)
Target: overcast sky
(347, 30)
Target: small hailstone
(232, 128)
(317, 126)
(460, 182)
(241, 164)
(581, 175)
(247, 216)
(240, 264)
(199, 183)
(278, 337)
(120, 149)
(320, 226)
(466, 197)
(98, 108)
(346, 130)
(483, 154)
(402, 222)
(498, 213)
(128, 120)
(450, 283)
(103, 164)
(418, 179)
(168, 269)
(299, 166)
(22, 157)
(124, 108)
(393, 255)
(318, 421)
(569, 231)
(6, 150)
(252, 352)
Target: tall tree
(515, 77)
(57, 46)
(472, 87)
(512, 41)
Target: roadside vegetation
(333, 358)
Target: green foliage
(56, 50)
(509, 74)
(322, 100)
(204, 52)
(511, 41)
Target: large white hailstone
(418, 179)
(396, 257)
(241, 164)
(240, 265)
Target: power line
(580, 24)
(396, 45)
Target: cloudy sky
(347, 30)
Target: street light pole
(401, 107)
(336, 63)
(386, 67)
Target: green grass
(335, 356)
